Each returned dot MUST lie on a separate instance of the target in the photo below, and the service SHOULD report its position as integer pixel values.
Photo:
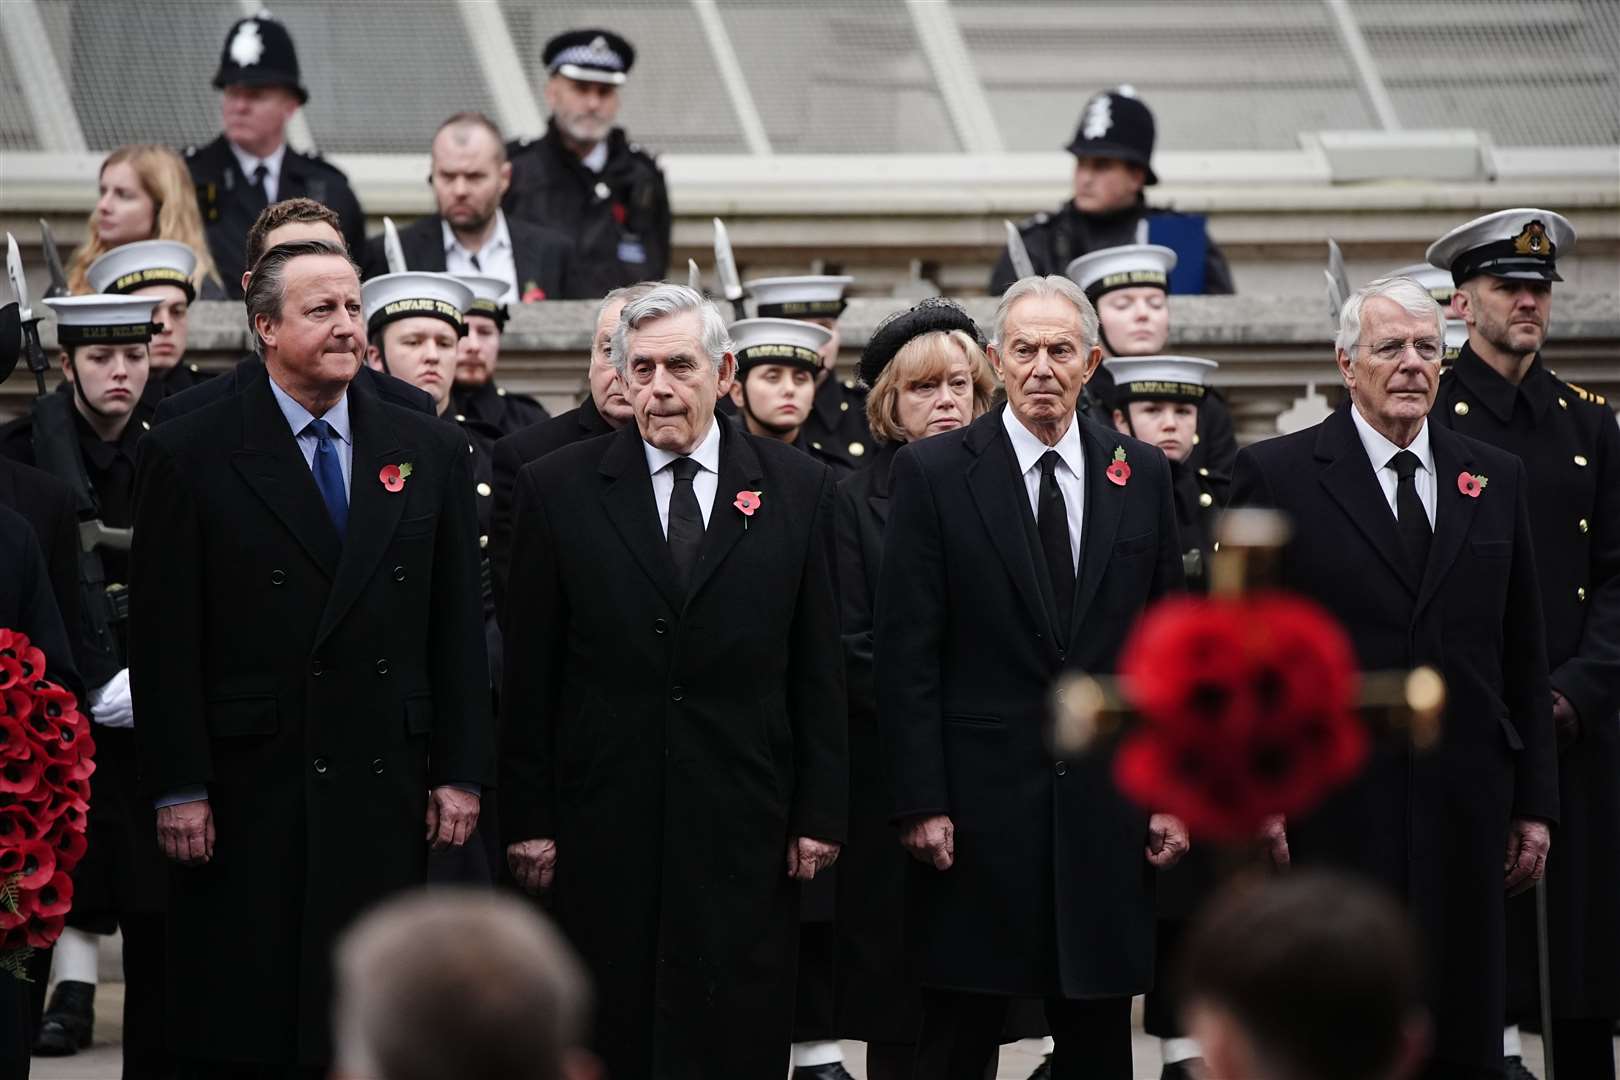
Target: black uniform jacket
(317, 687)
(26, 603)
(1050, 893)
(1055, 240)
(672, 743)
(497, 408)
(46, 503)
(1432, 826)
(542, 256)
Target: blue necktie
(329, 476)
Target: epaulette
(1587, 395)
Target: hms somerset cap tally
(1125, 267)
(146, 262)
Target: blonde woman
(145, 193)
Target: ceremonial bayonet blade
(19, 283)
(725, 269)
(393, 250)
(53, 262)
(1017, 253)
(1338, 282)
(694, 276)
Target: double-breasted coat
(1050, 894)
(1430, 826)
(672, 744)
(317, 687)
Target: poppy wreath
(45, 765)
(1246, 706)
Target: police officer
(249, 166)
(1500, 391)
(476, 395)
(777, 363)
(584, 177)
(1113, 150)
(164, 269)
(1129, 286)
(837, 423)
(88, 439)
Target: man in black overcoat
(309, 663)
(1418, 541)
(1033, 539)
(674, 731)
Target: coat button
(676, 693)
(377, 766)
(461, 418)
(1461, 408)
(1580, 459)
(1195, 438)
(315, 668)
(382, 667)
(857, 449)
(277, 577)
(399, 573)
(1580, 593)
(1562, 404)
(1206, 500)
(485, 490)
(660, 626)
(843, 406)
(483, 542)
(1061, 768)
(1202, 471)
(320, 766)
(1585, 528)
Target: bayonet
(393, 250)
(53, 262)
(1017, 253)
(33, 351)
(694, 276)
(1338, 282)
(725, 269)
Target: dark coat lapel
(374, 511)
(1453, 511)
(1105, 503)
(1349, 478)
(627, 497)
(423, 244)
(993, 481)
(739, 471)
(877, 496)
(274, 469)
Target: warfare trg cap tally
(778, 341)
(1128, 266)
(1159, 378)
(1521, 244)
(1115, 124)
(414, 293)
(1439, 284)
(146, 262)
(102, 319)
(259, 52)
(813, 296)
(599, 56)
(487, 293)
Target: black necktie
(1053, 525)
(685, 520)
(474, 260)
(260, 191)
(1409, 512)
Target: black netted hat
(934, 314)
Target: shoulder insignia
(1587, 395)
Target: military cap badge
(1533, 240)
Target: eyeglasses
(1428, 349)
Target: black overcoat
(1432, 827)
(367, 380)
(318, 688)
(673, 744)
(1050, 893)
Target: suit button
(315, 668)
(660, 626)
(377, 766)
(320, 766)
(382, 667)
(399, 573)
(1585, 528)
(1580, 594)
(277, 577)
(1061, 768)
(677, 693)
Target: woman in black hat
(927, 373)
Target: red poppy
(620, 214)
(55, 896)
(1470, 484)
(390, 478)
(11, 670)
(16, 702)
(67, 839)
(533, 294)
(33, 860)
(1119, 470)
(748, 502)
(20, 776)
(14, 741)
(42, 930)
(18, 824)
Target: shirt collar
(596, 160)
(500, 239)
(248, 163)
(298, 417)
(1496, 393)
(707, 453)
(1380, 450)
(1029, 450)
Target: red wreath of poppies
(45, 765)
(1247, 707)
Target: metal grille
(16, 126)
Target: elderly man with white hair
(1018, 548)
(674, 760)
(1417, 539)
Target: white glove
(111, 704)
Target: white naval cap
(145, 262)
(1521, 243)
(811, 296)
(1124, 267)
(411, 293)
(778, 341)
(487, 292)
(1159, 378)
(103, 319)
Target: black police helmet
(259, 52)
(1115, 124)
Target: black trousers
(205, 1069)
(146, 1052)
(961, 1034)
(1584, 1048)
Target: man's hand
(931, 839)
(452, 815)
(533, 863)
(1526, 859)
(807, 857)
(1167, 841)
(186, 832)
(1566, 721)
(1274, 839)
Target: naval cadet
(165, 269)
(88, 438)
(1130, 287)
(837, 418)
(777, 363)
(584, 176)
(250, 166)
(1113, 151)
(476, 395)
(1501, 391)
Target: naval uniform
(837, 421)
(499, 409)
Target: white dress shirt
(272, 168)
(495, 258)
(1029, 450)
(596, 159)
(337, 417)
(1379, 452)
(704, 483)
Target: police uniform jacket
(672, 742)
(1050, 894)
(367, 380)
(318, 688)
(1429, 826)
(543, 257)
(1570, 446)
(619, 219)
(498, 409)
(229, 205)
